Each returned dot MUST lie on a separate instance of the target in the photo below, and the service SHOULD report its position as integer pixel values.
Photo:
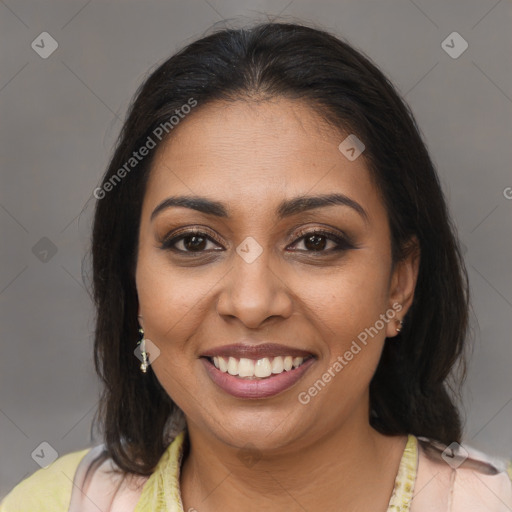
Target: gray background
(61, 115)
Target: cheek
(346, 309)
(349, 300)
(348, 319)
(170, 299)
(170, 304)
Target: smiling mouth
(257, 369)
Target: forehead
(251, 155)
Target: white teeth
(260, 368)
(297, 361)
(232, 366)
(277, 365)
(223, 365)
(246, 367)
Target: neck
(353, 467)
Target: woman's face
(255, 275)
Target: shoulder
(99, 484)
(461, 478)
(48, 489)
(84, 481)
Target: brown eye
(316, 241)
(188, 242)
(194, 242)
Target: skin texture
(251, 155)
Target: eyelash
(343, 242)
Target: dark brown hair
(409, 392)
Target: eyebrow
(286, 208)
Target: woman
(273, 226)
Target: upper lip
(248, 351)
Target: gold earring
(142, 343)
(399, 328)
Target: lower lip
(256, 388)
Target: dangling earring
(142, 343)
(399, 328)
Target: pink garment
(97, 488)
(478, 484)
(472, 484)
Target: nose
(254, 291)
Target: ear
(403, 283)
(140, 319)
